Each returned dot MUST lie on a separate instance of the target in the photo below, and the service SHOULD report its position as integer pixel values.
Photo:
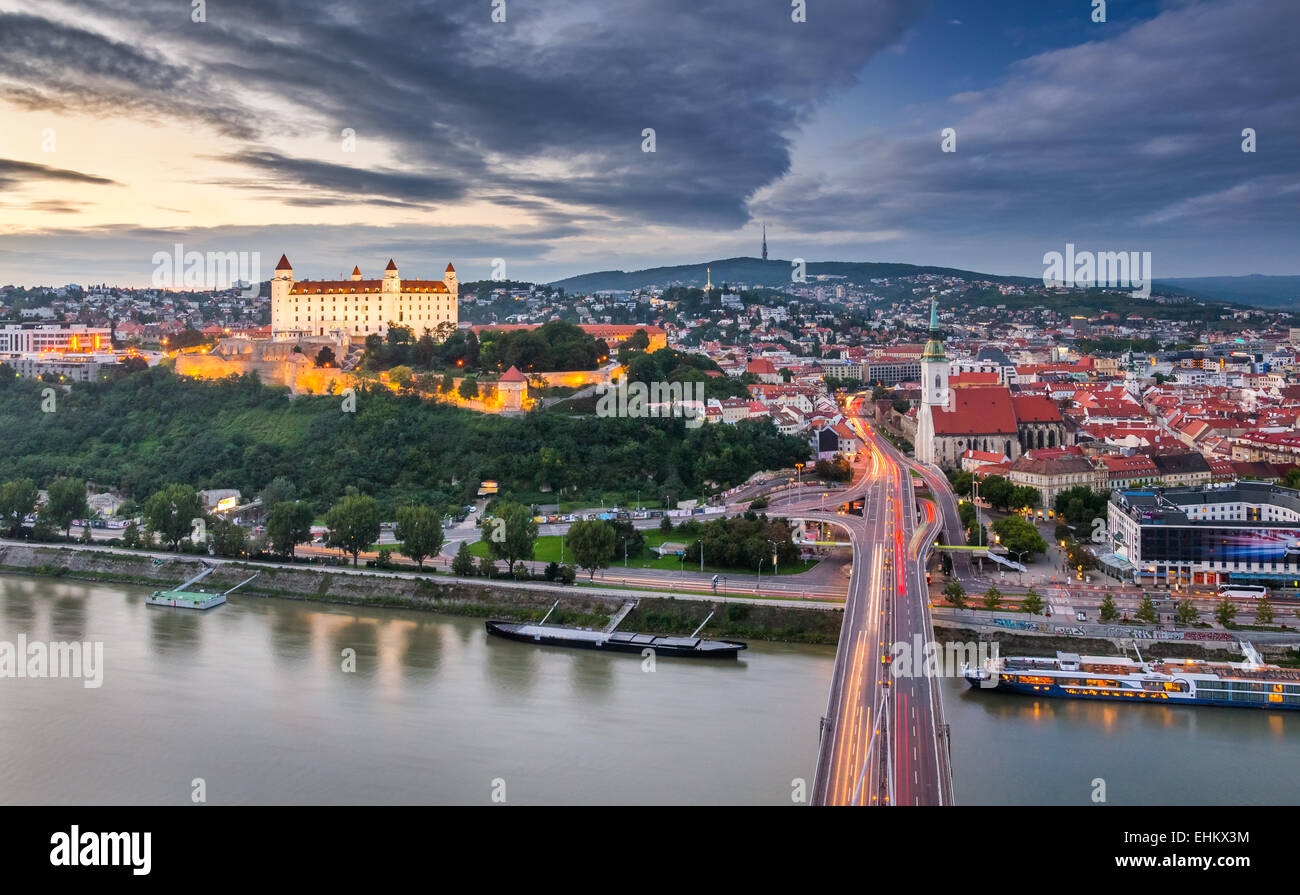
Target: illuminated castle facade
(358, 307)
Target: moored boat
(615, 641)
(181, 598)
(1250, 684)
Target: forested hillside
(153, 428)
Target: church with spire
(934, 388)
(954, 416)
(358, 307)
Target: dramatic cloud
(427, 125)
(1132, 141)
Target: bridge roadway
(883, 736)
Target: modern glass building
(1239, 532)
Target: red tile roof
(977, 411)
(1035, 409)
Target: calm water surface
(252, 698)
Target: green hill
(756, 272)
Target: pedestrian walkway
(618, 617)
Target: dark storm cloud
(358, 183)
(1132, 139)
(476, 106)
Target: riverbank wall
(435, 593)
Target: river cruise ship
(1248, 684)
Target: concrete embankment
(504, 599)
(298, 583)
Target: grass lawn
(547, 549)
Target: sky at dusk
(126, 127)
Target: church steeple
(765, 242)
(934, 347)
(708, 285)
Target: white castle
(359, 307)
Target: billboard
(1185, 544)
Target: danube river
(253, 699)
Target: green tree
(227, 539)
(402, 376)
(131, 536)
(1146, 612)
(65, 503)
(665, 525)
(280, 490)
(1080, 505)
(468, 388)
(354, 524)
(1032, 602)
(1020, 536)
(998, 491)
(420, 531)
(629, 541)
(288, 524)
(463, 563)
(1187, 613)
(956, 594)
(1225, 612)
(1108, 610)
(992, 598)
(1025, 497)
(1263, 612)
(592, 543)
(171, 512)
(17, 501)
(510, 533)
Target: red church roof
(1035, 409)
(977, 411)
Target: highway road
(883, 734)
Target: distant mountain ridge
(1281, 292)
(757, 272)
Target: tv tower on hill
(765, 242)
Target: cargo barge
(616, 641)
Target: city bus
(1242, 592)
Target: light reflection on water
(251, 696)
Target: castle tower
(449, 279)
(281, 283)
(934, 389)
(390, 296)
(356, 274)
